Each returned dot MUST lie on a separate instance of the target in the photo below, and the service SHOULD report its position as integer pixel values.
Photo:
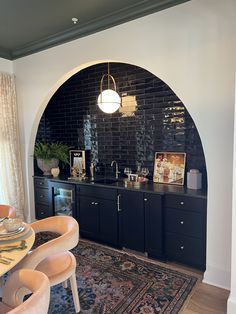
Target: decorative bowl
(12, 224)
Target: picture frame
(77, 163)
(169, 168)
(133, 177)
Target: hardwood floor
(207, 299)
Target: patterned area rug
(113, 282)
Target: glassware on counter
(144, 172)
(127, 171)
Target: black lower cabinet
(98, 215)
(184, 249)
(154, 245)
(88, 217)
(185, 230)
(131, 220)
(168, 226)
(108, 222)
(43, 208)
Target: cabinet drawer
(105, 193)
(42, 211)
(41, 196)
(40, 182)
(185, 202)
(185, 249)
(183, 222)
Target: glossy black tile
(160, 121)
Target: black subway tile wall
(152, 118)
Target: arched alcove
(190, 58)
(152, 118)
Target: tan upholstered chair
(36, 282)
(53, 257)
(7, 211)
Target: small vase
(55, 172)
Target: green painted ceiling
(28, 26)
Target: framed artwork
(169, 167)
(77, 162)
(133, 177)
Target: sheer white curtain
(11, 181)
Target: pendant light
(109, 100)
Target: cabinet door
(88, 217)
(41, 196)
(108, 221)
(153, 225)
(42, 211)
(131, 220)
(187, 250)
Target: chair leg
(65, 284)
(1, 286)
(74, 289)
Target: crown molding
(126, 14)
(5, 54)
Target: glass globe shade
(109, 101)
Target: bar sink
(105, 181)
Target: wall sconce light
(109, 100)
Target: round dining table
(10, 256)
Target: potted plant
(48, 155)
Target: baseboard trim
(217, 277)
(231, 305)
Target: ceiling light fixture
(109, 100)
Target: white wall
(189, 47)
(6, 65)
(232, 297)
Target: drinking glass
(127, 171)
(144, 172)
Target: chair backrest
(7, 211)
(67, 228)
(33, 280)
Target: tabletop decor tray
(137, 183)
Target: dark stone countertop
(149, 187)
